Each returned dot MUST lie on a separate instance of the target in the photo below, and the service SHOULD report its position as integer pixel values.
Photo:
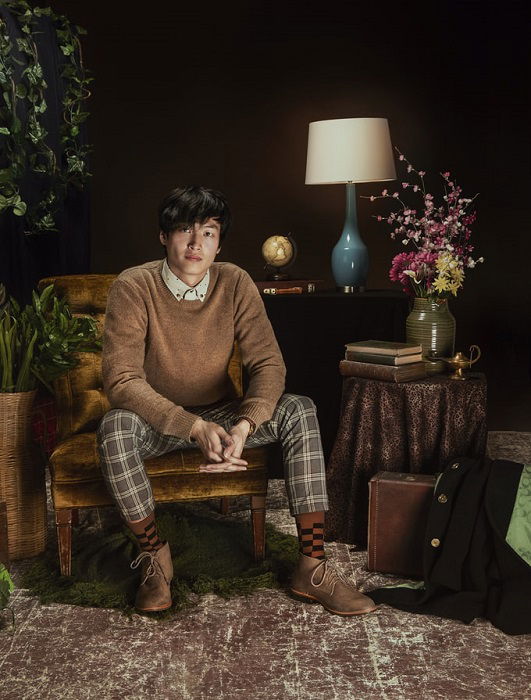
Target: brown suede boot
(156, 575)
(315, 579)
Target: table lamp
(349, 151)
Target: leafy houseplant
(38, 343)
(30, 152)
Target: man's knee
(118, 422)
(297, 405)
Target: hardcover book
(384, 347)
(386, 373)
(383, 359)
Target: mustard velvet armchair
(76, 478)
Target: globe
(278, 251)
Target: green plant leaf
(25, 380)
(20, 209)
(23, 46)
(6, 586)
(46, 296)
(4, 366)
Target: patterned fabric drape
(410, 427)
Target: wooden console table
(312, 330)
(410, 427)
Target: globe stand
(275, 274)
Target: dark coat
(469, 569)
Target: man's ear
(163, 238)
(217, 251)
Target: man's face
(191, 249)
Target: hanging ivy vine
(22, 106)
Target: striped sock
(311, 540)
(147, 535)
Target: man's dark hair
(191, 204)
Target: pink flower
(433, 229)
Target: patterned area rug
(265, 646)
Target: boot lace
(330, 577)
(152, 568)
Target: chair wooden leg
(63, 523)
(258, 512)
(224, 506)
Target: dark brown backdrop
(222, 94)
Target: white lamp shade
(349, 150)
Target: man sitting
(170, 327)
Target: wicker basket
(22, 482)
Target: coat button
(442, 498)
(435, 542)
(455, 465)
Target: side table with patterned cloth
(411, 427)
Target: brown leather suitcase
(398, 513)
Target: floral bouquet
(439, 236)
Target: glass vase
(431, 324)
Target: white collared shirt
(182, 291)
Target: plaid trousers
(125, 440)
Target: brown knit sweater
(161, 355)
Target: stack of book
(379, 359)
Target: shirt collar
(182, 291)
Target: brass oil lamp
(459, 362)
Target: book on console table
(386, 373)
(384, 347)
(373, 358)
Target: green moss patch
(210, 555)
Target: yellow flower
(440, 284)
(454, 286)
(457, 274)
(442, 262)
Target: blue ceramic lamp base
(350, 257)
